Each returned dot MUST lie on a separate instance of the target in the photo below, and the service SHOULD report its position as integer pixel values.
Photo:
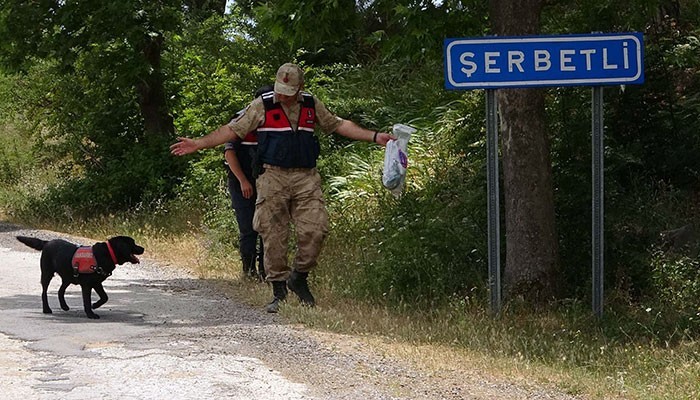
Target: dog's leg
(45, 280)
(87, 291)
(62, 294)
(103, 296)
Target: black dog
(87, 266)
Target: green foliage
(65, 29)
(416, 29)
(15, 156)
(341, 31)
(433, 238)
(651, 139)
(214, 76)
(427, 246)
(92, 132)
(134, 179)
(206, 186)
(577, 16)
(84, 66)
(326, 28)
(676, 278)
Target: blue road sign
(564, 60)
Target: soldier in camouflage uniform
(289, 188)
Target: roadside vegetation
(409, 271)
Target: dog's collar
(111, 253)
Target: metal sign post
(536, 61)
(494, 230)
(597, 203)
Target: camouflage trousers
(290, 197)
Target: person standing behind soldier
(289, 189)
(240, 155)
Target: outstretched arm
(219, 136)
(353, 131)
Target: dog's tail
(34, 243)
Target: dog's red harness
(84, 261)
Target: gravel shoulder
(164, 333)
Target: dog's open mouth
(134, 259)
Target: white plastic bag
(396, 159)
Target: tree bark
(154, 109)
(532, 266)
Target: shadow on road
(162, 303)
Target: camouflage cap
(289, 79)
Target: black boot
(279, 290)
(248, 262)
(298, 284)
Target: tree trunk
(151, 92)
(532, 266)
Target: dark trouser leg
(244, 209)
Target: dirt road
(165, 334)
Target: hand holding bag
(396, 159)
